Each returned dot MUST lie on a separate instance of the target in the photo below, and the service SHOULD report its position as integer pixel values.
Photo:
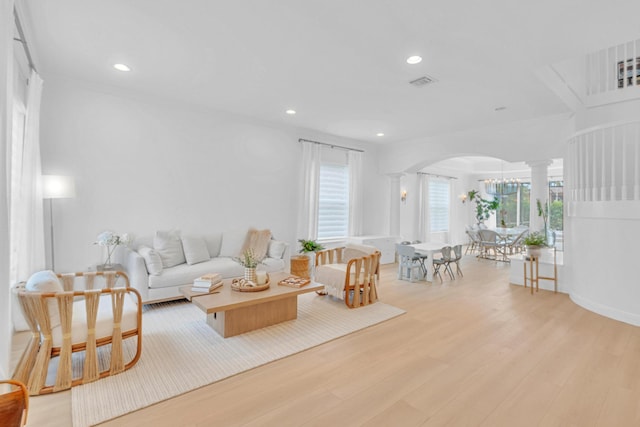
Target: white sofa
(155, 286)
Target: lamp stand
(53, 262)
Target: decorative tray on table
(294, 282)
(244, 285)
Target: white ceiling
(340, 64)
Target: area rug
(181, 353)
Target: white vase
(250, 274)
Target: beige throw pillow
(257, 241)
(168, 245)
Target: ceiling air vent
(422, 81)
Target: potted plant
(484, 207)
(307, 246)
(535, 242)
(304, 264)
(542, 211)
(249, 261)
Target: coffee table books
(294, 282)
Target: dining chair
(491, 241)
(445, 262)
(515, 245)
(457, 251)
(474, 241)
(410, 261)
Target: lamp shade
(58, 187)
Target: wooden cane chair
(14, 404)
(350, 273)
(69, 321)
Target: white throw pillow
(276, 249)
(46, 281)
(168, 245)
(151, 259)
(232, 242)
(195, 250)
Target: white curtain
(6, 99)
(356, 198)
(27, 225)
(423, 208)
(308, 210)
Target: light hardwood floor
(474, 351)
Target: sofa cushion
(195, 250)
(168, 245)
(46, 281)
(185, 274)
(151, 260)
(257, 241)
(232, 242)
(276, 249)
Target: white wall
(141, 165)
(538, 139)
(460, 213)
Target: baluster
(612, 195)
(603, 188)
(623, 187)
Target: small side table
(534, 276)
(300, 266)
(113, 267)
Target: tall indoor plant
(484, 207)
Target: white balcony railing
(603, 163)
(613, 69)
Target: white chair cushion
(151, 259)
(104, 321)
(46, 281)
(168, 245)
(195, 250)
(332, 276)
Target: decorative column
(539, 191)
(394, 203)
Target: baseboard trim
(610, 312)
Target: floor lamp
(56, 187)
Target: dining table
(430, 249)
(507, 232)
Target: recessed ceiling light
(290, 112)
(121, 67)
(414, 60)
(379, 134)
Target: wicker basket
(300, 266)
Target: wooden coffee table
(232, 313)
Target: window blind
(439, 198)
(333, 201)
